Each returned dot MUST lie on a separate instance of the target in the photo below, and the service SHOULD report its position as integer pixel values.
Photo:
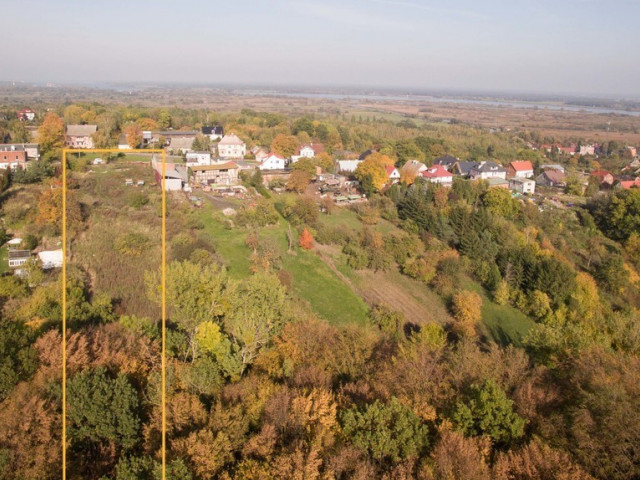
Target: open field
(120, 238)
(313, 281)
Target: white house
(587, 150)
(198, 159)
(18, 258)
(272, 162)
(393, 176)
(80, 136)
(231, 147)
(522, 185)
(348, 165)
(520, 169)
(438, 174)
(487, 170)
(50, 259)
(214, 133)
(308, 150)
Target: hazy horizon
(575, 47)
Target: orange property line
(64, 298)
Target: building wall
(79, 142)
(232, 151)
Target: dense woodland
(262, 382)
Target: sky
(582, 47)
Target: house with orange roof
(520, 169)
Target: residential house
(520, 169)
(366, 153)
(393, 176)
(497, 183)
(26, 115)
(464, 168)
(180, 145)
(80, 136)
(50, 259)
(259, 153)
(605, 178)
(214, 133)
(14, 243)
(631, 151)
(175, 175)
(309, 150)
(551, 178)
(223, 173)
(123, 144)
(525, 186)
(438, 174)
(587, 150)
(488, 169)
(198, 159)
(627, 182)
(348, 166)
(412, 169)
(569, 150)
(32, 150)
(272, 162)
(231, 147)
(447, 161)
(13, 159)
(552, 166)
(18, 258)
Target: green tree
(103, 409)
(257, 311)
(389, 433)
(488, 411)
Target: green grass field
(313, 281)
(4, 260)
(503, 323)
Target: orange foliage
(306, 240)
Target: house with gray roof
(80, 136)
(488, 169)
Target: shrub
(132, 244)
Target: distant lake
(432, 99)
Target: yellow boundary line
(64, 298)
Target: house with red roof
(520, 169)
(438, 174)
(26, 115)
(605, 178)
(627, 182)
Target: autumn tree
(134, 134)
(51, 136)
(372, 171)
(466, 306)
(298, 181)
(306, 240)
(284, 145)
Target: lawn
(4, 260)
(503, 323)
(313, 281)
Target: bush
(138, 199)
(132, 244)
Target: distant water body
(432, 99)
